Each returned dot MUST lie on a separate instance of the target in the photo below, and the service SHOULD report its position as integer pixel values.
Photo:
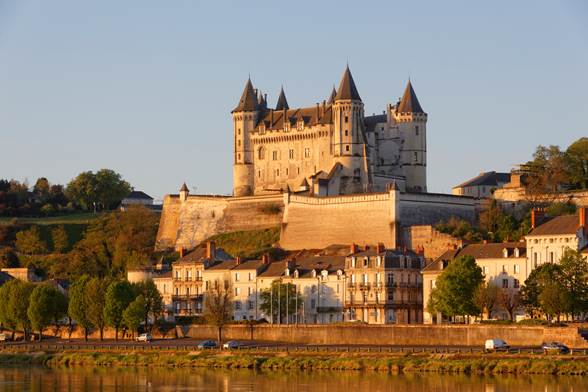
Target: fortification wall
(431, 208)
(409, 335)
(311, 222)
(186, 224)
(432, 242)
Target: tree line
(550, 291)
(92, 303)
(102, 190)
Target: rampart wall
(311, 222)
(186, 224)
(431, 241)
(409, 335)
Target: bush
(533, 322)
(496, 322)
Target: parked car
(3, 337)
(207, 344)
(496, 345)
(144, 337)
(555, 347)
(232, 344)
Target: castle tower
(184, 192)
(245, 117)
(412, 123)
(348, 143)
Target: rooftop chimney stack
(537, 215)
(380, 248)
(583, 219)
(265, 259)
(353, 248)
(210, 250)
(182, 252)
(238, 260)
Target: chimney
(182, 252)
(238, 260)
(583, 219)
(353, 248)
(380, 248)
(210, 250)
(318, 112)
(265, 259)
(537, 215)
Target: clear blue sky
(146, 87)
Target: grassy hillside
(248, 244)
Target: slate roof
(332, 96)
(371, 121)
(249, 265)
(409, 102)
(199, 255)
(184, 188)
(138, 195)
(565, 224)
(282, 102)
(4, 277)
(248, 101)
(490, 178)
(347, 88)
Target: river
(204, 380)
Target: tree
(8, 258)
(82, 190)
(30, 242)
(573, 279)
(45, 305)
(510, 300)
(118, 297)
(41, 188)
(533, 286)
(134, 314)
(280, 300)
(15, 298)
(7, 315)
(486, 298)
(218, 305)
(455, 288)
(60, 239)
(96, 298)
(110, 188)
(78, 304)
(577, 160)
(548, 169)
(153, 300)
(554, 299)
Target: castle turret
(412, 123)
(184, 192)
(245, 117)
(282, 102)
(348, 143)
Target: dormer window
(516, 252)
(365, 261)
(287, 272)
(296, 273)
(505, 252)
(262, 127)
(379, 261)
(313, 273)
(353, 262)
(300, 124)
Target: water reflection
(204, 380)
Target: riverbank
(494, 364)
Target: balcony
(329, 309)
(189, 297)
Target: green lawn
(248, 244)
(81, 218)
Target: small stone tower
(348, 143)
(184, 192)
(245, 117)
(412, 123)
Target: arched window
(261, 153)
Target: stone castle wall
(308, 222)
(311, 222)
(432, 242)
(186, 224)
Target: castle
(328, 149)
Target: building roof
(347, 89)
(331, 99)
(282, 102)
(371, 121)
(490, 178)
(198, 255)
(248, 101)
(223, 265)
(4, 277)
(249, 265)
(138, 195)
(494, 250)
(409, 102)
(274, 269)
(565, 224)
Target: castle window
(239, 143)
(291, 154)
(347, 148)
(286, 171)
(416, 128)
(346, 119)
(277, 172)
(238, 157)
(346, 132)
(274, 155)
(239, 131)
(298, 170)
(416, 156)
(261, 153)
(307, 153)
(259, 173)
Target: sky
(146, 87)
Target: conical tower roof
(409, 102)
(332, 96)
(184, 188)
(282, 102)
(347, 89)
(248, 101)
